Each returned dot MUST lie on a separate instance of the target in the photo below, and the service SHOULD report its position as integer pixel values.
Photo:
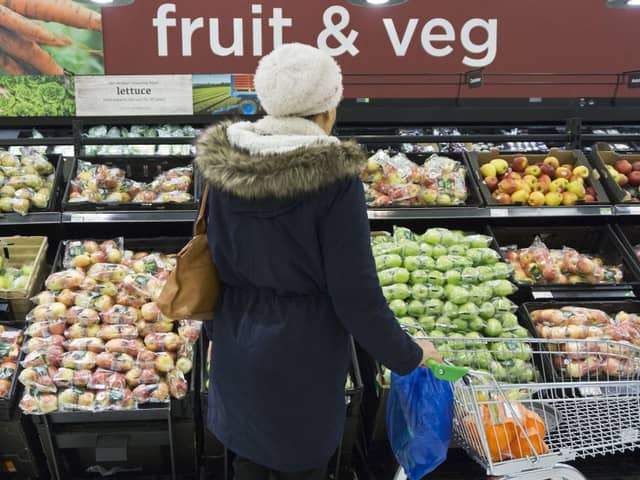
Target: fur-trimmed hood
(275, 158)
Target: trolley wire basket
(526, 430)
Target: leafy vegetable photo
(49, 37)
(29, 96)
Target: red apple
(623, 166)
(491, 183)
(519, 164)
(503, 198)
(634, 178)
(636, 166)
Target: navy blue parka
(289, 233)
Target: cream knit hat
(298, 80)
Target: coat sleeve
(353, 282)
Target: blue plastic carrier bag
(419, 421)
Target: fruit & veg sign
(414, 49)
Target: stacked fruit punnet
(627, 176)
(98, 341)
(10, 341)
(445, 284)
(537, 184)
(596, 359)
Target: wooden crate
(17, 252)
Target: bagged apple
(114, 399)
(90, 344)
(178, 386)
(118, 362)
(82, 316)
(108, 272)
(110, 332)
(71, 279)
(36, 403)
(121, 315)
(106, 379)
(122, 345)
(156, 393)
(145, 328)
(48, 312)
(144, 284)
(39, 343)
(37, 379)
(190, 330)
(46, 328)
(68, 399)
(137, 376)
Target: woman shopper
(289, 233)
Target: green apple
(433, 306)
(385, 277)
(456, 344)
(460, 250)
(521, 332)
(428, 322)
(523, 351)
(420, 262)
(401, 275)
(398, 307)
(503, 351)
(476, 324)
(415, 308)
(19, 283)
(450, 310)
(439, 251)
(509, 321)
(463, 358)
(475, 255)
(409, 248)
(437, 334)
(490, 256)
(497, 370)
(502, 270)
(435, 291)
(25, 270)
(433, 236)
(386, 249)
(419, 276)
(460, 325)
(459, 295)
(461, 262)
(384, 262)
(493, 328)
(468, 311)
(486, 310)
(503, 305)
(396, 292)
(486, 273)
(444, 263)
(481, 294)
(420, 291)
(426, 249)
(502, 288)
(478, 241)
(482, 359)
(470, 275)
(453, 277)
(436, 278)
(403, 233)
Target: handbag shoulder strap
(201, 222)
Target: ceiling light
(623, 3)
(376, 3)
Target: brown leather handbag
(192, 289)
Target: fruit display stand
(21, 456)
(28, 255)
(533, 167)
(575, 243)
(154, 438)
(619, 177)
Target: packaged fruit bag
(450, 285)
(397, 181)
(540, 265)
(96, 340)
(26, 181)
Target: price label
(541, 295)
(499, 212)
(75, 218)
(606, 211)
(629, 210)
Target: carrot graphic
(61, 11)
(30, 30)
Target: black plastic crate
(602, 156)
(20, 451)
(629, 235)
(474, 198)
(142, 169)
(544, 360)
(573, 157)
(133, 449)
(593, 240)
(8, 404)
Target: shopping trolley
(585, 400)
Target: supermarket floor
(460, 467)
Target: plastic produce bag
(419, 421)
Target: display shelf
(136, 140)
(33, 218)
(627, 210)
(550, 212)
(27, 142)
(463, 138)
(139, 415)
(164, 216)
